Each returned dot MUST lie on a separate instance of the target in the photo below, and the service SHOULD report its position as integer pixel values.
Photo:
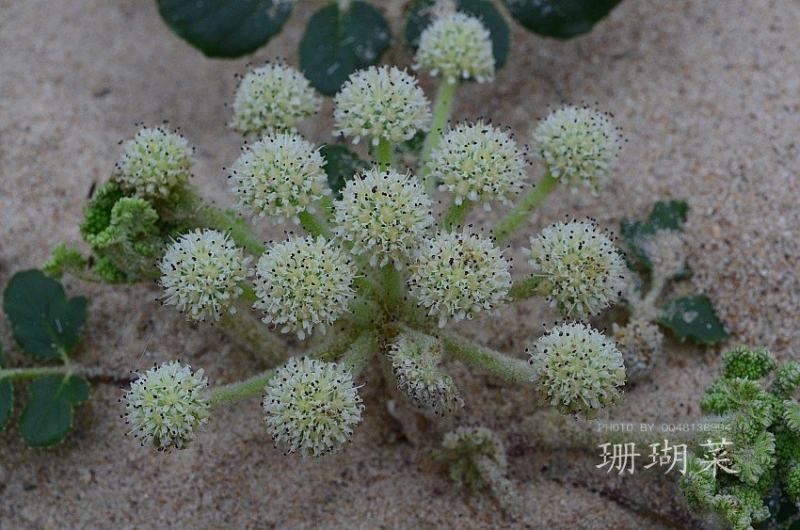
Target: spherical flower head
(457, 46)
(312, 405)
(155, 162)
(640, 342)
(383, 214)
(415, 359)
(281, 175)
(166, 405)
(303, 283)
(578, 369)
(381, 103)
(578, 146)
(582, 272)
(480, 163)
(271, 99)
(458, 275)
(201, 272)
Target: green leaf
(336, 44)
(342, 165)
(692, 317)
(6, 396)
(43, 321)
(225, 28)
(419, 17)
(635, 234)
(562, 19)
(47, 417)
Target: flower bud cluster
(457, 47)
(155, 162)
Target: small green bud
(749, 364)
(787, 380)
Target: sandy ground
(708, 95)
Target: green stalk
(490, 360)
(522, 210)
(441, 112)
(456, 213)
(37, 371)
(312, 225)
(360, 352)
(391, 287)
(384, 154)
(254, 335)
(254, 386)
(525, 289)
(204, 214)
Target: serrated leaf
(47, 418)
(692, 317)
(336, 44)
(635, 234)
(419, 17)
(562, 19)
(43, 321)
(6, 396)
(342, 165)
(225, 28)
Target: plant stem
(490, 360)
(522, 210)
(204, 214)
(524, 289)
(391, 287)
(456, 213)
(441, 112)
(253, 335)
(360, 352)
(384, 154)
(242, 390)
(38, 371)
(312, 225)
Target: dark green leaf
(562, 19)
(6, 396)
(336, 44)
(692, 317)
(419, 17)
(44, 322)
(225, 28)
(635, 234)
(342, 165)
(47, 417)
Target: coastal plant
(343, 36)
(373, 270)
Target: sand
(707, 96)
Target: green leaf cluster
(758, 428)
(46, 325)
(688, 317)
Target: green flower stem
(312, 225)
(252, 334)
(242, 390)
(525, 289)
(441, 112)
(362, 312)
(522, 210)
(326, 203)
(490, 360)
(384, 154)
(204, 214)
(359, 354)
(391, 287)
(249, 295)
(456, 213)
(38, 371)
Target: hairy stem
(242, 390)
(525, 289)
(359, 353)
(456, 213)
(204, 214)
(254, 335)
(441, 112)
(312, 225)
(490, 360)
(522, 210)
(384, 154)
(39, 371)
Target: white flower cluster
(480, 163)
(303, 283)
(201, 272)
(155, 162)
(459, 274)
(279, 176)
(415, 360)
(383, 214)
(582, 272)
(578, 369)
(457, 46)
(381, 103)
(166, 405)
(273, 98)
(578, 146)
(312, 405)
